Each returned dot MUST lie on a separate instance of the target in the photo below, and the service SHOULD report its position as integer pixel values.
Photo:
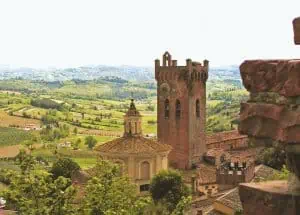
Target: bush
(64, 167)
(167, 187)
(90, 141)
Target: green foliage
(168, 188)
(51, 134)
(110, 193)
(64, 167)
(182, 205)
(284, 174)
(75, 131)
(34, 191)
(76, 144)
(90, 141)
(46, 103)
(239, 212)
(274, 156)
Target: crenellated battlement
(231, 173)
(169, 70)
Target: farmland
(13, 136)
(69, 111)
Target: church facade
(140, 158)
(181, 109)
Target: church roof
(133, 145)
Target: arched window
(167, 108)
(145, 170)
(178, 109)
(197, 108)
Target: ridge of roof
(133, 144)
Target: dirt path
(101, 132)
(9, 151)
(12, 151)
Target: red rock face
(280, 76)
(270, 121)
(269, 198)
(296, 24)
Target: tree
(35, 192)
(182, 205)
(76, 144)
(110, 193)
(273, 156)
(90, 141)
(64, 167)
(75, 131)
(167, 187)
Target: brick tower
(181, 102)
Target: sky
(63, 33)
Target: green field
(13, 136)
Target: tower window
(178, 109)
(167, 108)
(197, 108)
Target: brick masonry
(185, 133)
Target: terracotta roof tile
(206, 174)
(223, 136)
(231, 200)
(134, 144)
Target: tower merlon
(157, 63)
(174, 62)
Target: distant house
(32, 127)
(65, 145)
(206, 181)
(227, 140)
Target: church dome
(133, 142)
(133, 145)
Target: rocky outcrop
(279, 76)
(269, 198)
(263, 120)
(272, 114)
(296, 24)
(273, 110)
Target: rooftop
(206, 174)
(231, 199)
(223, 136)
(133, 145)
